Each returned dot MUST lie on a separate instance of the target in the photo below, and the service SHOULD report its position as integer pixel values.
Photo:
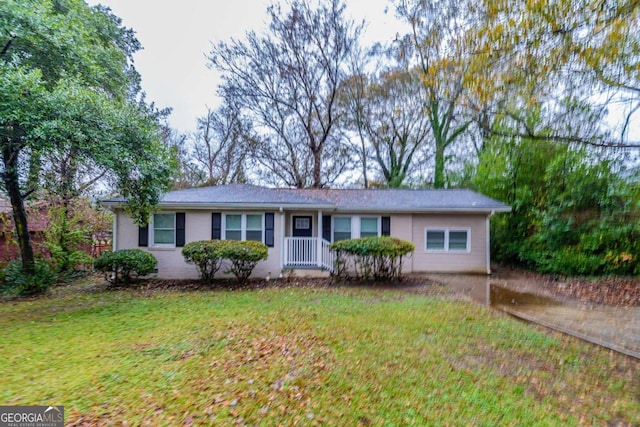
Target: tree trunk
(364, 157)
(67, 175)
(317, 169)
(439, 179)
(12, 185)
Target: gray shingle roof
(387, 200)
(404, 200)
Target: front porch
(307, 253)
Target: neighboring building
(450, 228)
(38, 224)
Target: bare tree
(352, 111)
(391, 114)
(287, 81)
(221, 146)
(187, 173)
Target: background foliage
(572, 213)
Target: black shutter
(386, 226)
(269, 222)
(143, 235)
(180, 225)
(326, 227)
(216, 225)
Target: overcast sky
(176, 36)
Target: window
(243, 227)
(254, 228)
(233, 227)
(368, 227)
(458, 240)
(164, 226)
(435, 240)
(447, 240)
(363, 226)
(341, 228)
(302, 223)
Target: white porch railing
(326, 258)
(303, 252)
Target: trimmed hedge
(204, 254)
(123, 265)
(377, 258)
(243, 256)
(208, 256)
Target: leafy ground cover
(313, 355)
(608, 290)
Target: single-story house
(450, 228)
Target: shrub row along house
(449, 228)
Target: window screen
(233, 227)
(435, 240)
(341, 228)
(458, 240)
(368, 227)
(254, 228)
(164, 229)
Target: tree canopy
(287, 81)
(567, 56)
(516, 99)
(68, 85)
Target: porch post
(283, 249)
(319, 239)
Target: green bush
(572, 212)
(16, 282)
(242, 255)
(378, 258)
(570, 261)
(121, 266)
(65, 238)
(205, 255)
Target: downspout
(282, 243)
(488, 241)
(114, 232)
(319, 240)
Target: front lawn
(310, 356)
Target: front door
(302, 226)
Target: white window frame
(152, 231)
(356, 225)
(243, 225)
(446, 248)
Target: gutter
(303, 206)
(225, 206)
(483, 210)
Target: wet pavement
(617, 328)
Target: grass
(302, 357)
